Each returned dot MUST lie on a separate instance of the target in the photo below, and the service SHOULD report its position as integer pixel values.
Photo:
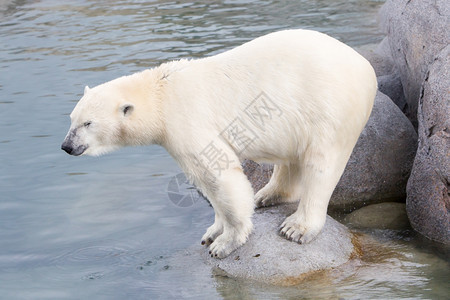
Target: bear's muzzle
(69, 144)
(70, 149)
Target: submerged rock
(387, 215)
(268, 257)
(379, 166)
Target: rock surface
(379, 166)
(270, 258)
(387, 215)
(428, 201)
(258, 174)
(416, 31)
(388, 77)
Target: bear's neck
(148, 126)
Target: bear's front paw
(296, 229)
(212, 233)
(224, 245)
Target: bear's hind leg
(320, 174)
(281, 188)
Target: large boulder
(379, 166)
(267, 257)
(428, 201)
(416, 31)
(381, 162)
(388, 77)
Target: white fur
(313, 94)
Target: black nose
(67, 147)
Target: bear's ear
(86, 89)
(127, 109)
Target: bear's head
(112, 115)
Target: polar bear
(296, 98)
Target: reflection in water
(105, 227)
(391, 267)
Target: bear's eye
(87, 124)
(127, 109)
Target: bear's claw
(267, 197)
(208, 241)
(226, 243)
(265, 202)
(220, 248)
(294, 230)
(211, 234)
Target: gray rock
(270, 258)
(384, 50)
(380, 59)
(391, 85)
(387, 215)
(379, 166)
(417, 31)
(428, 201)
(258, 174)
(388, 78)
